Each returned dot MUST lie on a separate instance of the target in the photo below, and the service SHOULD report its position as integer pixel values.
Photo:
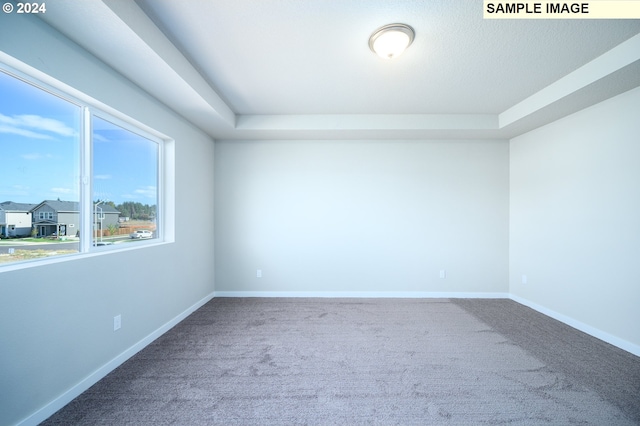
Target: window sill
(27, 264)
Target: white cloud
(10, 192)
(150, 192)
(22, 132)
(36, 156)
(100, 138)
(102, 177)
(62, 190)
(147, 192)
(34, 126)
(46, 124)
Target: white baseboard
(592, 331)
(55, 405)
(364, 294)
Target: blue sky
(40, 145)
(124, 165)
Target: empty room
(319, 212)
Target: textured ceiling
(290, 68)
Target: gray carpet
(366, 361)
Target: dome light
(391, 40)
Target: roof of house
(10, 206)
(72, 206)
(60, 206)
(108, 208)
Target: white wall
(575, 219)
(362, 216)
(56, 326)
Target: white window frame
(165, 221)
(88, 147)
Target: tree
(113, 228)
(137, 211)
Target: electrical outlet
(443, 273)
(259, 273)
(524, 279)
(117, 322)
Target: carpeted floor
(366, 361)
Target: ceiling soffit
(309, 92)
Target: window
(76, 178)
(45, 215)
(125, 183)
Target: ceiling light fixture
(391, 40)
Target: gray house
(104, 216)
(15, 219)
(62, 218)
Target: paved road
(5, 245)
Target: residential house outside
(15, 219)
(55, 217)
(104, 216)
(62, 218)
